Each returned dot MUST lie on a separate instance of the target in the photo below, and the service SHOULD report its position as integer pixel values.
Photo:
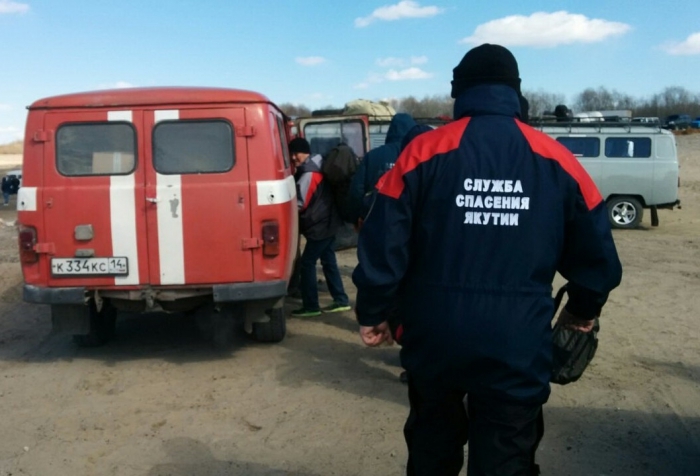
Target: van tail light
(27, 241)
(271, 238)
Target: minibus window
(581, 146)
(96, 149)
(628, 147)
(193, 147)
(283, 140)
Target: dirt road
(160, 401)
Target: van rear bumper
(40, 295)
(249, 291)
(234, 292)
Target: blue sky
(329, 52)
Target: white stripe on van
(274, 192)
(171, 248)
(26, 199)
(119, 116)
(167, 115)
(122, 207)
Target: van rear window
(193, 147)
(96, 149)
(324, 136)
(581, 146)
(628, 147)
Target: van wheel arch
(625, 211)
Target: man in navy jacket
(468, 230)
(318, 222)
(375, 164)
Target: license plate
(90, 266)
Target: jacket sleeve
(589, 261)
(306, 188)
(383, 253)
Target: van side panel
(273, 191)
(630, 176)
(30, 202)
(665, 171)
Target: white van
(635, 166)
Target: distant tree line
(672, 100)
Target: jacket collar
(487, 99)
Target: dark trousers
(313, 251)
(503, 437)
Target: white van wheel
(624, 212)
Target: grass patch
(11, 148)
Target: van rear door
(198, 197)
(325, 132)
(93, 199)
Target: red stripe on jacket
(421, 149)
(549, 148)
(316, 178)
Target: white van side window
(96, 149)
(193, 147)
(628, 147)
(581, 146)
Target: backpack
(572, 351)
(338, 168)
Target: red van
(157, 199)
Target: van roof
(149, 97)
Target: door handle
(152, 200)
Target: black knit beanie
(300, 145)
(486, 64)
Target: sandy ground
(160, 401)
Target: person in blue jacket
(375, 164)
(467, 231)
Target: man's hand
(373, 336)
(572, 322)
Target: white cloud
(690, 46)
(310, 60)
(543, 29)
(8, 6)
(117, 85)
(392, 62)
(5, 107)
(403, 9)
(405, 74)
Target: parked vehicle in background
(677, 122)
(635, 166)
(158, 199)
(695, 123)
(646, 120)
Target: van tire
(101, 324)
(273, 330)
(625, 212)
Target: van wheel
(625, 212)
(274, 330)
(101, 326)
